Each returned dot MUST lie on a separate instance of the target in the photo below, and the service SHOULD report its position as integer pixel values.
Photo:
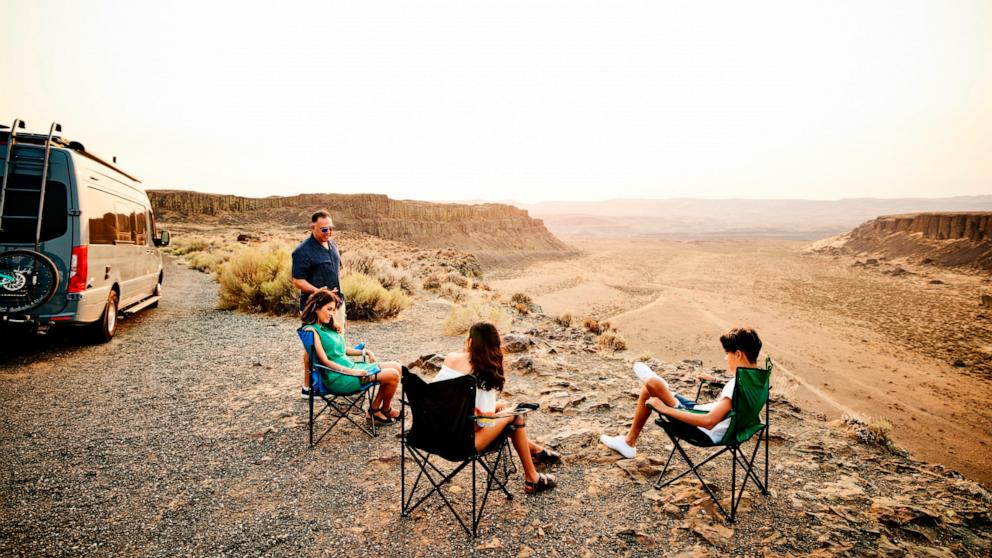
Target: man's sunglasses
(326, 230)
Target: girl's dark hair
(742, 339)
(486, 356)
(317, 301)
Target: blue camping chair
(337, 405)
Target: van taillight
(78, 269)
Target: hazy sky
(526, 100)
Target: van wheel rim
(111, 317)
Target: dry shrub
(611, 342)
(592, 326)
(432, 282)
(521, 298)
(452, 293)
(564, 320)
(259, 280)
(462, 317)
(457, 279)
(362, 262)
(870, 431)
(208, 262)
(367, 299)
(189, 246)
(522, 308)
(383, 270)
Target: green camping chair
(750, 395)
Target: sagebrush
(367, 299)
(259, 280)
(462, 317)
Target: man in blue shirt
(317, 266)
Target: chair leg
(657, 483)
(311, 419)
(693, 468)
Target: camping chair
(750, 395)
(444, 425)
(337, 405)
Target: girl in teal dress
(332, 352)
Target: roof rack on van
(59, 141)
(18, 123)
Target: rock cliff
(484, 227)
(951, 239)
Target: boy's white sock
(619, 445)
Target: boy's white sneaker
(619, 445)
(644, 372)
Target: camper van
(78, 241)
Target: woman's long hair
(486, 356)
(317, 301)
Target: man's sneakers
(619, 445)
(305, 393)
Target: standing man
(317, 266)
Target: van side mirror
(163, 239)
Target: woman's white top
(485, 399)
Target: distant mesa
(487, 227)
(948, 239)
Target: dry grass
(368, 299)
(870, 431)
(522, 308)
(259, 280)
(595, 327)
(521, 298)
(386, 272)
(564, 320)
(452, 293)
(612, 342)
(462, 317)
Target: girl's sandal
(379, 420)
(546, 456)
(543, 482)
(388, 412)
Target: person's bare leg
(388, 381)
(390, 373)
(523, 445)
(654, 387)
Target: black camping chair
(337, 405)
(444, 426)
(750, 395)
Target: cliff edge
(949, 239)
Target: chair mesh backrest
(750, 396)
(316, 379)
(442, 415)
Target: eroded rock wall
(952, 239)
(437, 225)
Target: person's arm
(369, 356)
(325, 362)
(305, 286)
(707, 421)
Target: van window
(125, 232)
(140, 225)
(54, 220)
(101, 217)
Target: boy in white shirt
(742, 346)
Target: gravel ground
(186, 436)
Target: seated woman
(741, 346)
(483, 358)
(332, 352)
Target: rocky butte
(951, 239)
(484, 227)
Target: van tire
(105, 328)
(157, 292)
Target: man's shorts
(339, 315)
